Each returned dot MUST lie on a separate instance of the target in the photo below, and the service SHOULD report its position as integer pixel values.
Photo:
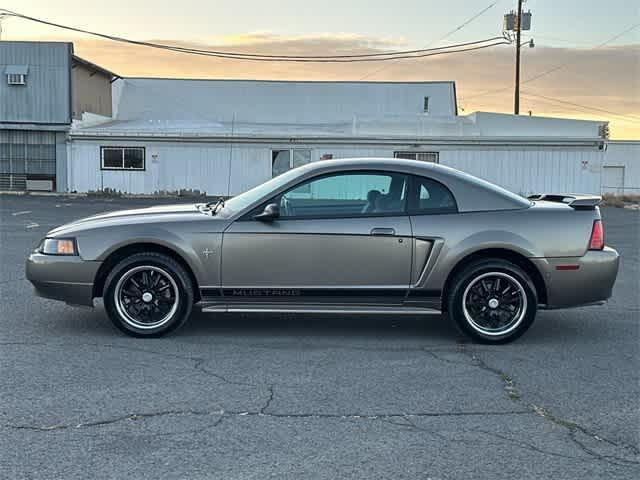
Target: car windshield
(245, 199)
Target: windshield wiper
(219, 203)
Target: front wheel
(492, 301)
(148, 295)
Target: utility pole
(517, 22)
(516, 99)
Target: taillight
(597, 236)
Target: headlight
(59, 246)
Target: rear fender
(450, 256)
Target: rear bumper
(69, 279)
(588, 280)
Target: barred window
(283, 160)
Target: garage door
(27, 160)
(613, 179)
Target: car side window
(350, 194)
(431, 197)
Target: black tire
(480, 309)
(148, 295)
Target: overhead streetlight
(528, 42)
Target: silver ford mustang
(349, 236)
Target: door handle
(383, 231)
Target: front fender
(99, 244)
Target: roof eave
(96, 68)
(244, 138)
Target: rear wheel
(148, 295)
(492, 301)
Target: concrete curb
(42, 194)
(141, 196)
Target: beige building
(91, 88)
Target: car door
(341, 238)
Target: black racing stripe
(211, 292)
(425, 293)
(314, 292)
(318, 292)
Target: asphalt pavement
(291, 396)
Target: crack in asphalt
(575, 429)
(197, 361)
(526, 445)
(572, 427)
(258, 413)
(510, 440)
(269, 400)
(199, 365)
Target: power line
(372, 57)
(557, 67)
(626, 117)
(395, 56)
(445, 36)
(581, 109)
(355, 60)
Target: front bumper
(592, 281)
(66, 278)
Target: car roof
(471, 193)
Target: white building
(621, 168)
(221, 137)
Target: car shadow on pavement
(549, 328)
(309, 325)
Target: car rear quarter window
(430, 197)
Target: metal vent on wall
(9, 181)
(431, 157)
(16, 74)
(27, 160)
(15, 79)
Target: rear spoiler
(578, 202)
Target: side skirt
(322, 308)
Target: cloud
(605, 78)
(305, 43)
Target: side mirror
(270, 212)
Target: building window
(16, 79)
(122, 158)
(425, 105)
(431, 157)
(286, 159)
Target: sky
(593, 83)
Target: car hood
(154, 214)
